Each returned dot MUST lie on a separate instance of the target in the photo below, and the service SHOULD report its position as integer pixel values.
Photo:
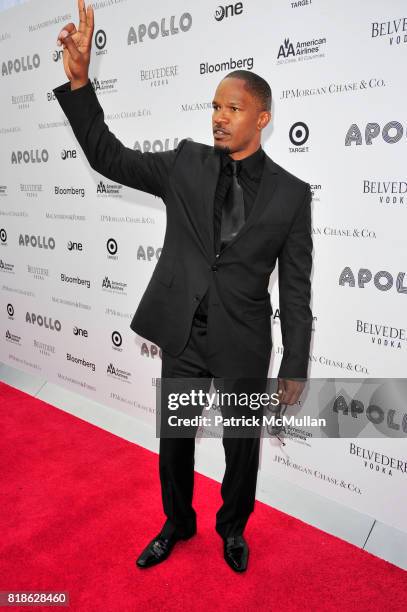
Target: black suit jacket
(278, 227)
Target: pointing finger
(89, 22)
(82, 16)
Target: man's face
(237, 120)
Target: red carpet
(79, 504)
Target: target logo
(3, 235)
(10, 311)
(111, 246)
(100, 40)
(299, 133)
(116, 339)
(230, 10)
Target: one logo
(68, 154)
(79, 331)
(74, 246)
(57, 54)
(10, 310)
(3, 235)
(299, 133)
(228, 11)
(220, 13)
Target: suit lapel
(210, 177)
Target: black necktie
(233, 208)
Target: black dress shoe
(159, 549)
(236, 552)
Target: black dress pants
(176, 455)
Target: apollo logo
(391, 133)
(148, 253)
(387, 417)
(150, 350)
(147, 146)
(20, 64)
(42, 321)
(382, 280)
(33, 156)
(230, 10)
(164, 28)
(39, 242)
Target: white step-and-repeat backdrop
(76, 251)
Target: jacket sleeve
(105, 153)
(294, 272)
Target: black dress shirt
(249, 174)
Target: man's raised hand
(77, 45)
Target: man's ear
(264, 119)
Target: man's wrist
(77, 84)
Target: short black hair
(256, 85)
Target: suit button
(197, 297)
(217, 255)
(214, 267)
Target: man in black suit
(231, 213)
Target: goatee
(225, 150)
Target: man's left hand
(289, 391)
